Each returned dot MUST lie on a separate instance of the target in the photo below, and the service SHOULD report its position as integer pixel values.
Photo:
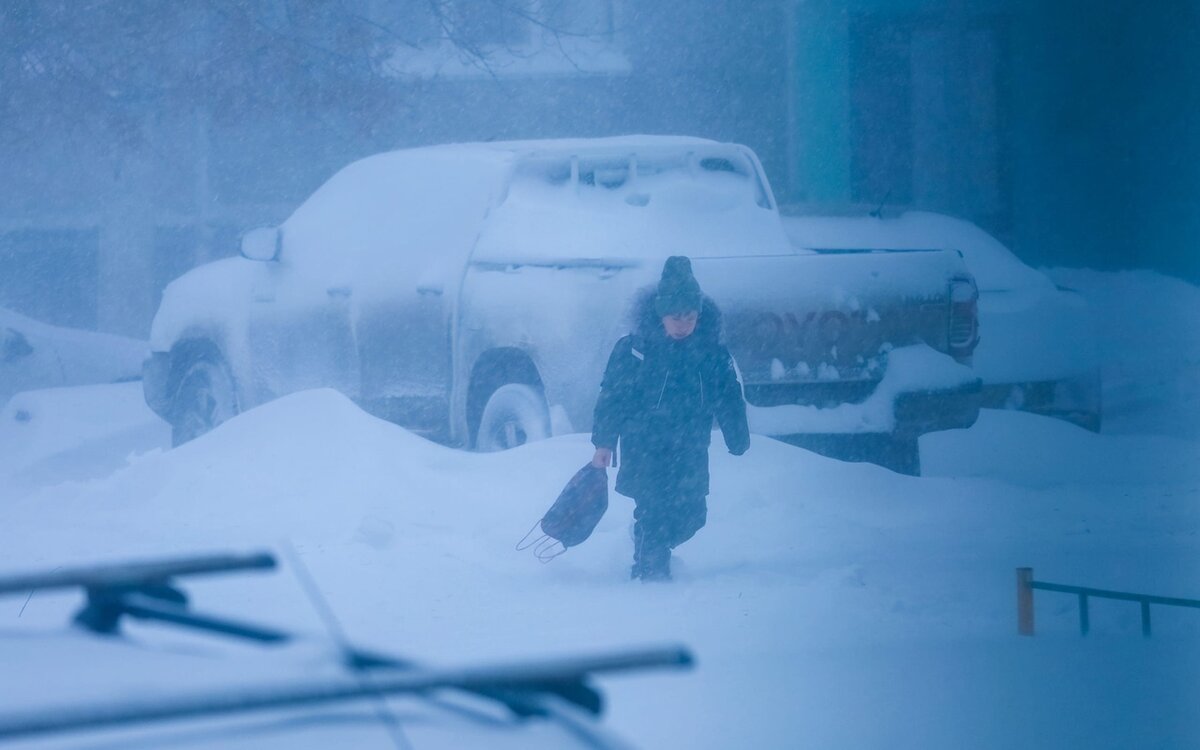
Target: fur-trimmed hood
(647, 323)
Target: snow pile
(827, 602)
(1032, 451)
(58, 434)
(1150, 348)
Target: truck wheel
(203, 400)
(514, 415)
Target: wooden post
(1025, 601)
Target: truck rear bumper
(929, 411)
(922, 391)
(909, 413)
(1076, 399)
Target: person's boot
(643, 566)
(651, 558)
(653, 565)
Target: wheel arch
(494, 368)
(196, 347)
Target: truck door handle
(429, 290)
(338, 292)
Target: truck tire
(204, 399)
(515, 414)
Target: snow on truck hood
(216, 294)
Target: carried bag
(573, 516)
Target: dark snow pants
(661, 523)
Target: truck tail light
(963, 333)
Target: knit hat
(678, 290)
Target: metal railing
(1026, 586)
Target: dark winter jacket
(659, 397)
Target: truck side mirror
(13, 346)
(262, 243)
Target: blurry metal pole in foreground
(146, 590)
(136, 573)
(294, 693)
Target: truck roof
(634, 196)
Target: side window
(720, 164)
(736, 167)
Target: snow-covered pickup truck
(472, 293)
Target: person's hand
(602, 458)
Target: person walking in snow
(663, 386)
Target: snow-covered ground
(1150, 349)
(828, 604)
